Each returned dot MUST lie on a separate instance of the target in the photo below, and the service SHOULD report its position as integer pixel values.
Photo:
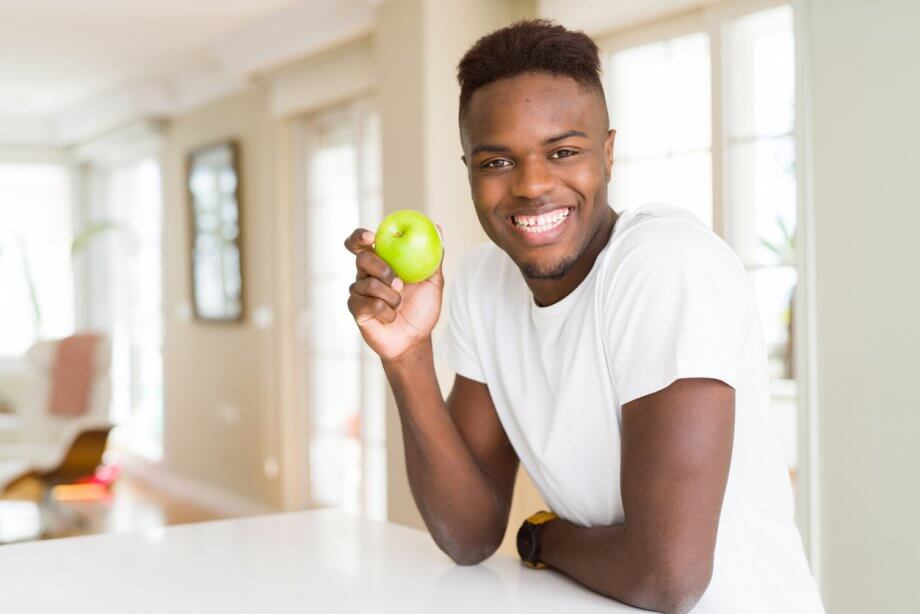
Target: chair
(52, 447)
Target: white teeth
(542, 222)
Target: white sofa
(36, 440)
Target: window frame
(93, 165)
(298, 491)
(17, 365)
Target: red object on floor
(105, 476)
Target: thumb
(437, 278)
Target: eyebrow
(504, 149)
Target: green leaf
(93, 229)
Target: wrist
(530, 538)
(410, 358)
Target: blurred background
(177, 178)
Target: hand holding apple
(392, 315)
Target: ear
(608, 152)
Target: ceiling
(69, 67)
(57, 53)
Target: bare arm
(675, 457)
(460, 464)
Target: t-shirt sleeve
(675, 309)
(460, 340)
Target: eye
(562, 153)
(497, 163)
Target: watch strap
(536, 522)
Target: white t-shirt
(666, 299)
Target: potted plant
(784, 249)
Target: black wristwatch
(529, 538)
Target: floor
(132, 506)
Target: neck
(549, 291)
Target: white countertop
(318, 561)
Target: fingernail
(368, 237)
(397, 284)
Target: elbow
(465, 543)
(466, 550)
(678, 586)
(470, 554)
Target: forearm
(453, 495)
(635, 569)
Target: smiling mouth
(539, 224)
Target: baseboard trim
(202, 494)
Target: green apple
(410, 243)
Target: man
(618, 356)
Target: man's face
(538, 154)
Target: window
(659, 103)
(761, 186)
(36, 274)
(347, 385)
(126, 297)
(732, 163)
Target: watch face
(526, 542)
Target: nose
(534, 179)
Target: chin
(556, 269)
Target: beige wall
(866, 138)
(214, 366)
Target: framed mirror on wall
(213, 180)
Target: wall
(218, 378)
(338, 74)
(866, 151)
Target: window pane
(685, 179)
(338, 483)
(132, 276)
(347, 404)
(371, 164)
(639, 97)
(689, 95)
(375, 481)
(334, 170)
(660, 106)
(774, 288)
(375, 390)
(761, 70)
(761, 188)
(333, 327)
(761, 198)
(35, 264)
(334, 220)
(336, 394)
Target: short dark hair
(530, 46)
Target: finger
(360, 240)
(370, 264)
(374, 288)
(364, 308)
